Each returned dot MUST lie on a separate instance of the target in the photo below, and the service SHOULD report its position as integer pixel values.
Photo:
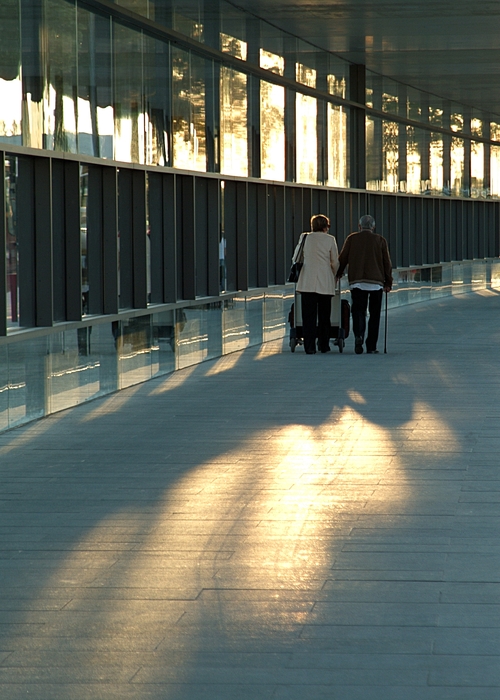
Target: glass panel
(198, 334)
(457, 166)
(157, 98)
(236, 333)
(72, 369)
(390, 146)
(141, 7)
(188, 20)
(233, 23)
(373, 153)
(477, 169)
(276, 306)
(495, 171)
(60, 25)
(11, 93)
(164, 340)
(135, 351)
(128, 96)
(95, 90)
(306, 115)
(413, 161)
(272, 129)
(337, 135)
(12, 252)
(272, 62)
(4, 387)
(188, 123)
(234, 134)
(477, 160)
(436, 164)
(33, 79)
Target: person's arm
(334, 256)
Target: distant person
(370, 274)
(316, 282)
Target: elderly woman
(316, 282)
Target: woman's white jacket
(321, 261)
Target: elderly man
(370, 274)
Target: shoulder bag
(297, 266)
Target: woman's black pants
(316, 315)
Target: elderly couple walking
(366, 255)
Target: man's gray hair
(367, 222)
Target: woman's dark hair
(319, 222)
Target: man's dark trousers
(316, 309)
(361, 300)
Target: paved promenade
(269, 526)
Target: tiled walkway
(267, 526)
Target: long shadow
(182, 536)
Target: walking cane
(385, 329)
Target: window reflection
(188, 121)
(413, 162)
(234, 107)
(11, 95)
(495, 161)
(477, 160)
(436, 150)
(306, 108)
(59, 96)
(457, 166)
(95, 111)
(390, 147)
(337, 135)
(272, 120)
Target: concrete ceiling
(450, 48)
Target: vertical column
(253, 97)
(290, 110)
(487, 157)
(26, 240)
(467, 151)
(425, 172)
(186, 240)
(322, 117)
(241, 236)
(357, 129)
(212, 87)
(213, 224)
(139, 247)
(402, 162)
(73, 261)
(446, 151)
(3, 248)
(110, 240)
(169, 239)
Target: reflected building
(160, 159)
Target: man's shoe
(372, 352)
(358, 345)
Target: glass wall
(306, 114)
(338, 151)
(188, 110)
(272, 119)
(79, 82)
(233, 111)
